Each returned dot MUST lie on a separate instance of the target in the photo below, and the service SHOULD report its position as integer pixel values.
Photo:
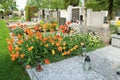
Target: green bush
(50, 46)
(27, 11)
(18, 31)
(113, 29)
(30, 12)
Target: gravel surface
(104, 62)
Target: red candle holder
(38, 67)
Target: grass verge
(8, 69)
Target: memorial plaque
(75, 14)
(62, 21)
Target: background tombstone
(62, 21)
(39, 15)
(75, 14)
(96, 18)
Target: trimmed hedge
(30, 12)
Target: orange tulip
(47, 61)
(10, 42)
(13, 26)
(60, 39)
(40, 37)
(13, 59)
(12, 35)
(17, 48)
(12, 56)
(61, 26)
(63, 31)
(29, 49)
(36, 28)
(10, 48)
(16, 54)
(27, 30)
(22, 55)
(19, 42)
(51, 30)
(57, 43)
(44, 40)
(68, 23)
(53, 24)
(38, 33)
(30, 33)
(68, 52)
(59, 48)
(64, 53)
(19, 36)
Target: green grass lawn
(12, 19)
(9, 70)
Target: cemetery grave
(63, 45)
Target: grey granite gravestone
(62, 21)
(75, 14)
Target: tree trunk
(110, 9)
(43, 13)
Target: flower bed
(51, 47)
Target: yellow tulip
(46, 45)
(64, 48)
(64, 43)
(53, 43)
(53, 52)
(71, 49)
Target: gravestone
(39, 14)
(115, 40)
(75, 14)
(62, 21)
(96, 18)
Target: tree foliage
(71, 2)
(8, 4)
(110, 5)
(53, 4)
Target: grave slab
(105, 62)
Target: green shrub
(18, 31)
(50, 46)
(27, 11)
(30, 12)
(113, 29)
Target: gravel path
(104, 61)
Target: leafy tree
(8, 4)
(56, 4)
(110, 5)
(71, 2)
(49, 4)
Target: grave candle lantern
(87, 65)
(38, 67)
